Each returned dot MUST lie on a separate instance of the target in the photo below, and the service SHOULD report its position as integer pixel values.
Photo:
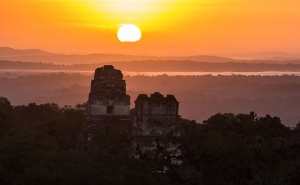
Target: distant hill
(275, 56)
(35, 55)
(155, 66)
(102, 58)
(10, 52)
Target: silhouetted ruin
(155, 116)
(108, 102)
(155, 112)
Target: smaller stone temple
(108, 102)
(155, 112)
(155, 119)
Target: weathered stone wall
(108, 89)
(108, 102)
(155, 118)
(155, 112)
(99, 109)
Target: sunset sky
(169, 27)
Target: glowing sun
(129, 33)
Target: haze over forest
(199, 96)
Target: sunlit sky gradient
(169, 27)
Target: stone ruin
(155, 113)
(108, 97)
(108, 103)
(155, 118)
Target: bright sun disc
(129, 33)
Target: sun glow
(128, 5)
(129, 33)
(148, 14)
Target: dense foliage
(39, 145)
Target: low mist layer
(154, 66)
(199, 96)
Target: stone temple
(155, 112)
(108, 98)
(108, 102)
(155, 116)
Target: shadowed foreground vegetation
(38, 145)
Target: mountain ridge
(37, 55)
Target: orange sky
(169, 27)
